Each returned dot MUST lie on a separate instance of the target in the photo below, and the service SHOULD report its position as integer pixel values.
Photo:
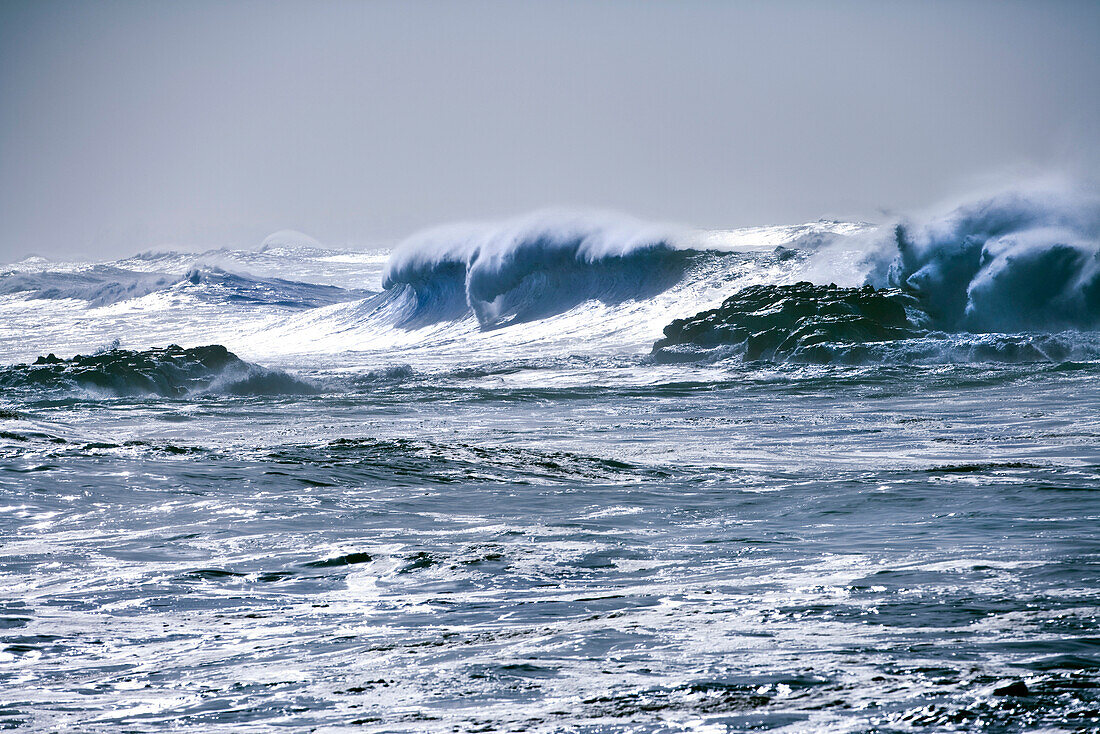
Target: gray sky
(127, 126)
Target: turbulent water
(561, 474)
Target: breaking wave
(1024, 260)
(1012, 277)
(531, 268)
(99, 285)
(219, 285)
(1008, 278)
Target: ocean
(566, 473)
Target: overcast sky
(127, 126)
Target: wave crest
(531, 268)
(1021, 260)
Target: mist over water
(569, 472)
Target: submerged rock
(1015, 688)
(170, 371)
(790, 322)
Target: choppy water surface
(511, 519)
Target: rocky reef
(170, 371)
(791, 323)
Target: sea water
(450, 487)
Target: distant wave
(103, 285)
(222, 286)
(167, 372)
(531, 268)
(289, 239)
(99, 285)
(1024, 260)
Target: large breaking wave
(1010, 277)
(1023, 260)
(531, 268)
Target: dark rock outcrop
(170, 371)
(790, 322)
(1015, 688)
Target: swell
(99, 285)
(221, 286)
(406, 460)
(104, 285)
